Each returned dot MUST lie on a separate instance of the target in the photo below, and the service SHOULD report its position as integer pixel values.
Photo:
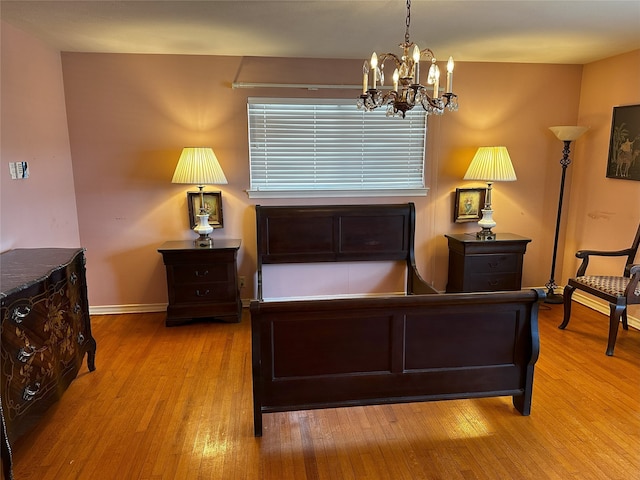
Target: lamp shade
(198, 166)
(568, 133)
(491, 164)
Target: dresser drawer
(206, 273)
(492, 263)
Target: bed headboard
(335, 233)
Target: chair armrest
(630, 293)
(584, 255)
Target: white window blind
(315, 147)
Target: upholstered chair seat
(614, 286)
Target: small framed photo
(624, 145)
(469, 204)
(212, 205)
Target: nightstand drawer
(204, 293)
(206, 273)
(492, 282)
(492, 263)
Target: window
(315, 147)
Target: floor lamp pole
(553, 297)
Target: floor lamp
(567, 134)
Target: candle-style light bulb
(396, 77)
(416, 63)
(431, 77)
(436, 82)
(365, 77)
(374, 67)
(450, 75)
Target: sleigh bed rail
(376, 350)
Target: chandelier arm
(385, 56)
(428, 52)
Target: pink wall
(40, 210)
(603, 213)
(129, 116)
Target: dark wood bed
(366, 350)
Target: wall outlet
(241, 280)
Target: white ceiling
(531, 31)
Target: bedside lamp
(491, 164)
(199, 166)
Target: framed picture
(624, 146)
(469, 204)
(212, 205)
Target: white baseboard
(137, 308)
(602, 307)
(579, 297)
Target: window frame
(311, 190)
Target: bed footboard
(374, 350)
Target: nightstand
(485, 265)
(202, 282)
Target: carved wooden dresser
(45, 334)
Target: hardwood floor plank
(176, 403)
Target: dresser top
(22, 267)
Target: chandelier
(407, 91)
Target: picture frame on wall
(468, 205)
(213, 206)
(624, 145)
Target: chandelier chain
(407, 22)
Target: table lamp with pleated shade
(491, 164)
(199, 166)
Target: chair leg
(625, 323)
(616, 312)
(568, 292)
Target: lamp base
(203, 229)
(486, 235)
(203, 241)
(553, 297)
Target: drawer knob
(29, 392)
(24, 355)
(493, 264)
(80, 338)
(73, 278)
(493, 283)
(202, 294)
(20, 313)
(202, 274)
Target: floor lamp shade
(490, 164)
(199, 166)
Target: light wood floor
(175, 403)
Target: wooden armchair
(618, 291)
